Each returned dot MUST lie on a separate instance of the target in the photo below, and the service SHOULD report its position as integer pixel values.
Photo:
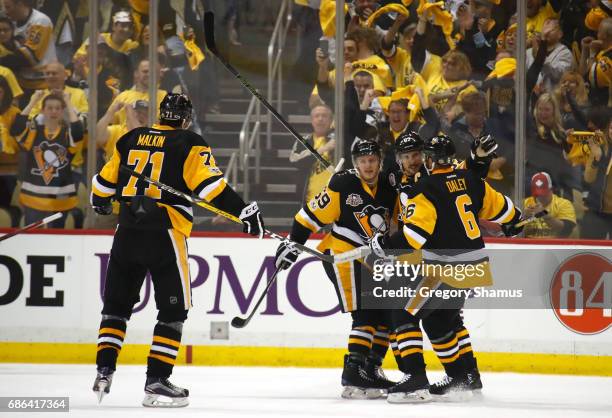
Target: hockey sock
(380, 343)
(110, 340)
(465, 348)
(395, 349)
(447, 350)
(410, 349)
(360, 340)
(164, 349)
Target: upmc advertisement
(51, 287)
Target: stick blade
(209, 31)
(239, 322)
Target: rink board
(50, 302)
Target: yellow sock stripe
(396, 352)
(164, 340)
(465, 350)
(381, 342)
(462, 333)
(445, 345)
(168, 360)
(103, 346)
(366, 328)
(418, 334)
(360, 342)
(411, 351)
(450, 359)
(113, 331)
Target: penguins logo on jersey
(372, 219)
(50, 158)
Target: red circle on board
(586, 276)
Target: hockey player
(462, 197)
(356, 203)
(152, 236)
(406, 336)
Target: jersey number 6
(139, 159)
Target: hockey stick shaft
(238, 322)
(205, 205)
(209, 35)
(33, 225)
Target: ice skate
(103, 382)
(374, 371)
(411, 389)
(452, 389)
(356, 382)
(160, 393)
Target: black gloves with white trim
(252, 222)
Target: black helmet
(175, 109)
(440, 148)
(365, 147)
(408, 141)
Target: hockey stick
(209, 35)
(33, 225)
(365, 250)
(205, 205)
(238, 322)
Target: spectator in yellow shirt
(560, 220)
(139, 91)
(120, 37)
(9, 151)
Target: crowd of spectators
(449, 66)
(44, 105)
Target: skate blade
(455, 396)
(417, 396)
(100, 395)
(160, 401)
(100, 390)
(353, 392)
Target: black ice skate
(373, 369)
(412, 388)
(160, 393)
(356, 382)
(453, 389)
(103, 382)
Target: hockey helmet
(440, 149)
(408, 141)
(175, 109)
(365, 147)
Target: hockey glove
(378, 244)
(484, 148)
(286, 254)
(104, 209)
(511, 229)
(252, 222)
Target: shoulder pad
(342, 179)
(194, 139)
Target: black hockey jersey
(175, 157)
(443, 209)
(354, 210)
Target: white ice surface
(287, 392)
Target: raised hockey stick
(205, 205)
(238, 322)
(33, 225)
(209, 35)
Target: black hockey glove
(286, 254)
(511, 229)
(484, 148)
(378, 243)
(103, 210)
(252, 222)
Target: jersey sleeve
(496, 207)
(103, 184)
(323, 209)
(201, 173)
(37, 41)
(419, 217)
